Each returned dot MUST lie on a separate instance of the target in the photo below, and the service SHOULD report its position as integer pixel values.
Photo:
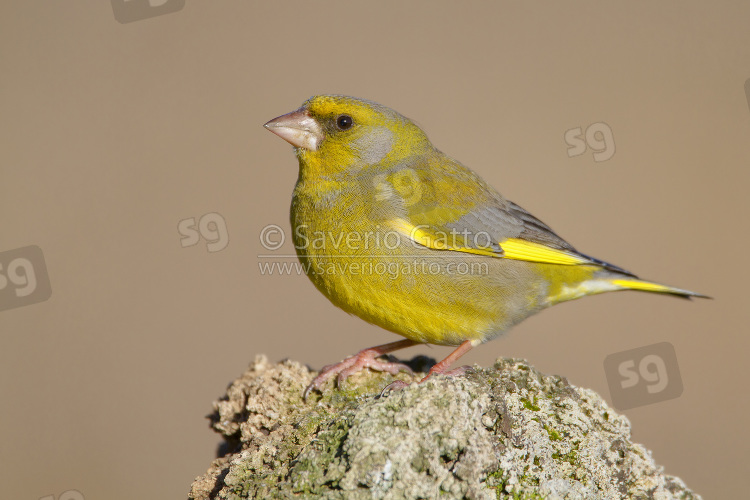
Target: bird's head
(333, 133)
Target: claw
(396, 385)
(451, 373)
(363, 359)
(439, 369)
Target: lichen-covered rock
(506, 431)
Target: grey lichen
(501, 432)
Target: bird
(394, 231)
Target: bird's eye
(344, 122)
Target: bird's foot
(451, 373)
(397, 385)
(366, 358)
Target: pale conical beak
(297, 128)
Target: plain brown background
(110, 134)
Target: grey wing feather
(538, 232)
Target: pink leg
(363, 359)
(439, 368)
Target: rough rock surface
(501, 432)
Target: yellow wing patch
(512, 248)
(518, 249)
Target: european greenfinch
(392, 230)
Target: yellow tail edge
(647, 286)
